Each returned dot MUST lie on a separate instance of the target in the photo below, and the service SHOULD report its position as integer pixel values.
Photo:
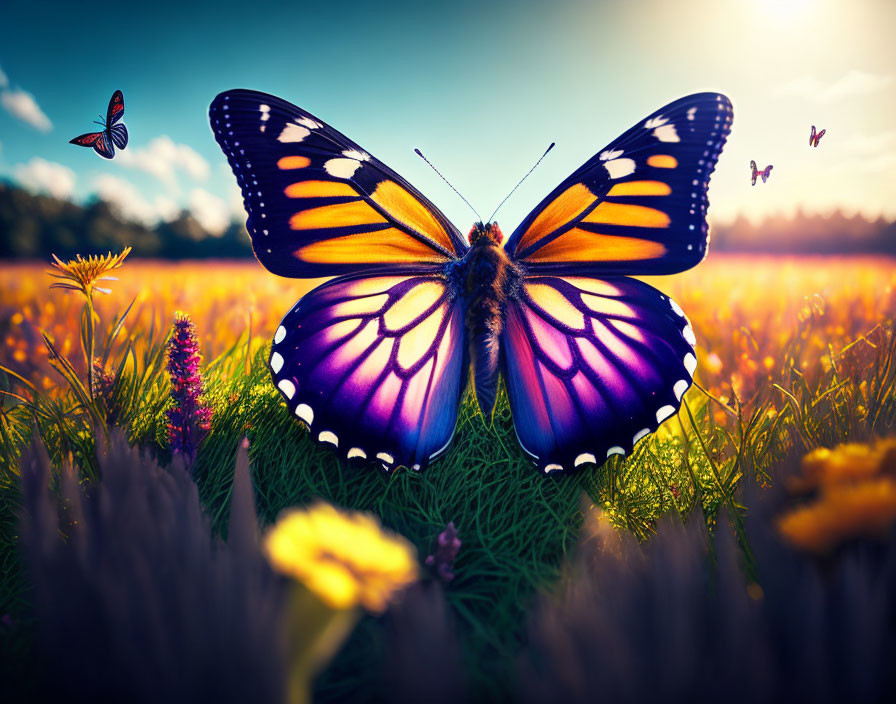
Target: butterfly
(375, 361)
(113, 132)
(814, 138)
(765, 173)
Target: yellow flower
(344, 557)
(81, 274)
(856, 487)
(846, 463)
(842, 512)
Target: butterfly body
(490, 279)
(114, 133)
(375, 361)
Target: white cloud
(163, 158)
(235, 200)
(4, 80)
(858, 143)
(853, 82)
(46, 176)
(211, 212)
(167, 208)
(23, 106)
(130, 202)
(878, 163)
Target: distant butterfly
(765, 173)
(375, 361)
(113, 133)
(814, 138)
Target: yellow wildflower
(81, 274)
(842, 512)
(344, 557)
(846, 463)
(856, 487)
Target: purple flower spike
(445, 554)
(189, 419)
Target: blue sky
(481, 88)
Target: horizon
(395, 88)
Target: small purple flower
(189, 419)
(446, 553)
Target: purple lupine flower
(189, 419)
(445, 554)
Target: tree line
(34, 226)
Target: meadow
(795, 354)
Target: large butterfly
(113, 132)
(375, 361)
(815, 137)
(756, 173)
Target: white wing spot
(279, 335)
(385, 457)
(676, 307)
(608, 154)
(640, 434)
(552, 468)
(276, 362)
(330, 437)
(293, 133)
(355, 154)
(287, 387)
(617, 168)
(680, 387)
(308, 122)
(585, 457)
(615, 450)
(658, 121)
(664, 413)
(690, 363)
(666, 133)
(342, 168)
(691, 113)
(416, 467)
(357, 452)
(688, 334)
(303, 411)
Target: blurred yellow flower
(344, 557)
(856, 487)
(842, 512)
(846, 463)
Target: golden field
(749, 313)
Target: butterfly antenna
(420, 154)
(521, 181)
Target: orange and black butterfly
(376, 360)
(114, 133)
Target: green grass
(516, 525)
